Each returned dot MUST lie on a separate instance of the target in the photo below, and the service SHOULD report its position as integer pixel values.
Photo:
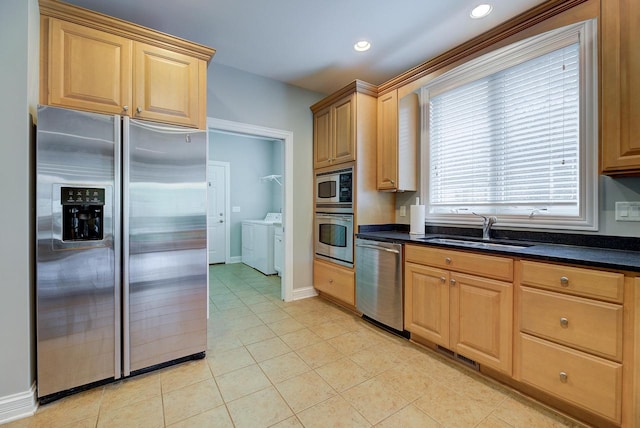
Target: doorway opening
(276, 195)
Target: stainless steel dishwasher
(379, 282)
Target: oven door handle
(374, 247)
(347, 218)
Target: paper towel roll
(416, 215)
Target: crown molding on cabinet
(509, 28)
(358, 86)
(99, 21)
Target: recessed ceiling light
(362, 46)
(481, 11)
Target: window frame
(586, 33)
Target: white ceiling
(309, 43)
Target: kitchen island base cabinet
(468, 314)
(335, 281)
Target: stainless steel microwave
(334, 190)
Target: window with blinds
(513, 134)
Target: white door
(217, 175)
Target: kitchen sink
(470, 243)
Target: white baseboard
(237, 259)
(303, 293)
(18, 406)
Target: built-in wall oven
(334, 216)
(334, 237)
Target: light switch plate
(627, 211)
(235, 209)
(403, 210)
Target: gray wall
(19, 29)
(249, 158)
(244, 97)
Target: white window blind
(506, 140)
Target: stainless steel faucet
(487, 222)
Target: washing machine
(258, 242)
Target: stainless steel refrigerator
(121, 262)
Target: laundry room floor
(305, 363)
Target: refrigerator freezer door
(164, 253)
(76, 280)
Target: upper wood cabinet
(398, 136)
(334, 132)
(167, 85)
(620, 80)
(88, 69)
(387, 162)
(97, 63)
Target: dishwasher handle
(375, 247)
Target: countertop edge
(624, 260)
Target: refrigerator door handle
(164, 129)
(126, 168)
(117, 247)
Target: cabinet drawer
(582, 282)
(588, 381)
(590, 325)
(335, 281)
(460, 261)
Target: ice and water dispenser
(82, 213)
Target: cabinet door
(88, 69)
(426, 305)
(482, 320)
(620, 138)
(335, 281)
(344, 130)
(387, 162)
(322, 138)
(166, 86)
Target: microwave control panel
(346, 187)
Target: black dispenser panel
(82, 213)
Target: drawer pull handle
(563, 377)
(564, 322)
(452, 281)
(443, 279)
(447, 260)
(331, 281)
(564, 281)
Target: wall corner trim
(18, 406)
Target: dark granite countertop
(626, 258)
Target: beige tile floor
(306, 363)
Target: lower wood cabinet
(335, 281)
(585, 324)
(570, 332)
(468, 314)
(577, 377)
(564, 334)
